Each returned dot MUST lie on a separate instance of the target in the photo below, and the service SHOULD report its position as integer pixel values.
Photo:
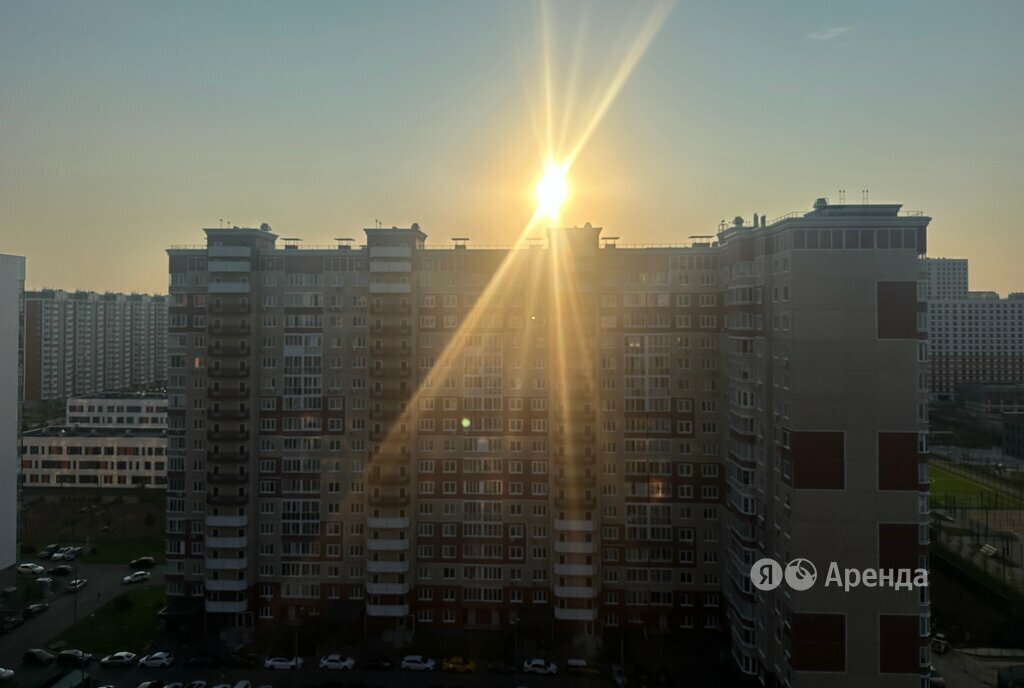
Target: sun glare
(552, 190)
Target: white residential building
(12, 285)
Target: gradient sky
(125, 127)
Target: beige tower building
(595, 435)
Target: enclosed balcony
(221, 607)
(387, 544)
(387, 566)
(387, 610)
(387, 522)
(575, 614)
(227, 564)
(387, 588)
(226, 585)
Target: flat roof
(98, 433)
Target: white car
(539, 666)
(282, 663)
(196, 684)
(157, 659)
(136, 577)
(337, 662)
(31, 569)
(176, 684)
(76, 585)
(6, 674)
(417, 663)
(122, 659)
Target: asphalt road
(104, 585)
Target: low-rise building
(992, 399)
(1013, 435)
(66, 456)
(147, 410)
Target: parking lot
(104, 583)
(311, 676)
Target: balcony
(387, 545)
(390, 308)
(226, 457)
(387, 522)
(228, 435)
(219, 564)
(230, 308)
(388, 500)
(573, 459)
(389, 330)
(575, 526)
(227, 499)
(217, 521)
(227, 478)
(391, 351)
(579, 592)
(387, 588)
(390, 393)
(230, 351)
(581, 480)
(228, 414)
(575, 569)
(387, 610)
(569, 547)
(387, 566)
(218, 607)
(575, 614)
(229, 251)
(227, 542)
(236, 329)
(227, 372)
(227, 393)
(570, 501)
(387, 478)
(390, 372)
(227, 585)
(227, 288)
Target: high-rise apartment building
(602, 435)
(87, 343)
(12, 285)
(975, 337)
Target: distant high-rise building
(12, 284)
(601, 435)
(87, 343)
(975, 337)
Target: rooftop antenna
(864, 196)
(842, 196)
(222, 223)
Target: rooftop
(75, 431)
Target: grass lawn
(945, 484)
(128, 622)
(123, 551)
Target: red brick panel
(819, 460)
(898, 460)
(897, 310)
(899, 644)
(819, 642)
(898, 546)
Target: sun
(552, 190)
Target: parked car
(375, 662)
(157, 659)
(459, 665)
(242, 659)
(501, 668)
(202, 661)
(136, 577)
(337, 662)
(39, 657)
(6, 675)
(58, 555)
(142, 563)
(31, 569)
(935, 679)
(175, 684)
(35, 609)
(119, 659)
(60, 570)
(47, 552)
(72, 553)
(151, 684)
(73, 658)
(196, 684)
(9, 623)
(539, 666)
(940, 644)
(417, 663)
(76, 585)
(282, 663)
(580, 667)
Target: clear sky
(125, 127)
